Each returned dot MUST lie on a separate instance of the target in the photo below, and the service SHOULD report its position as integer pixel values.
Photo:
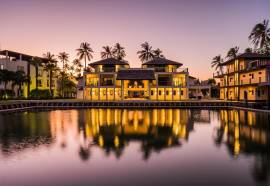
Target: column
(122, 90)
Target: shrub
(40, 94)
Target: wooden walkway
(13, 106)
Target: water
(135, 147)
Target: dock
(24, 105)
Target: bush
(6, 94)
(40, 94)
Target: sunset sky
(191, 32)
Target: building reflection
(157, 129)
(111, 130)
(247, 133)
(23, 131)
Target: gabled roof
(162, 61)
(248, 56)
(136, 74)
(109, 61)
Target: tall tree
(50, 67)
(6, 76)
(232, 53)
(119, 52)
(19, 79)
(146, 53)
(85, 52)
(36, 62)
(63, 57)
(216, 63)
(260, 35)
(107, 52)
(77, 66)
(158, 53)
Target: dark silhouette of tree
(85, 52)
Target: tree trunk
(50, 82)
(85, 62)
(36, 81)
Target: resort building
(246, 77)
(158, 79)
(14, 61)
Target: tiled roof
(248, 56)
(162, 61)
(109, 61)
(136, 74)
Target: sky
(191, 32)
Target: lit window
(2, 67)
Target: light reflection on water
(131, 147)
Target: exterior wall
(44, 79)
(143, 89)
(238, 81)
(6, 63)
(257, 76)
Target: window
(182, 92)
(39, 83)
(2, 67)
(260, 72)
(40, 72)
(174, 92)
(48, 83)
(262, 92)
(159, 92)
(244, 75)
(167, 92)
(259, 93)
(152, 92)
(20, 68)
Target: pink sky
(190, 32)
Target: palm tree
(158, 53)
(50, 66)
(6, 77)
(260, 35)
(85, 52)
(119, 52)
(232, 53)
(107, 52)
(36, 62)
(216, 63)
(63, 57)
(76, 64)
(18, 79)
(78, 69)
(146, 53)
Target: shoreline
(10, 106)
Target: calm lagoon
(135, 147)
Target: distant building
(14, 61)
(246, 77)
(199, 89)
(159, 79)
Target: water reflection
(113, 129)
(247, 133)
(181, 134)
(21, 132)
